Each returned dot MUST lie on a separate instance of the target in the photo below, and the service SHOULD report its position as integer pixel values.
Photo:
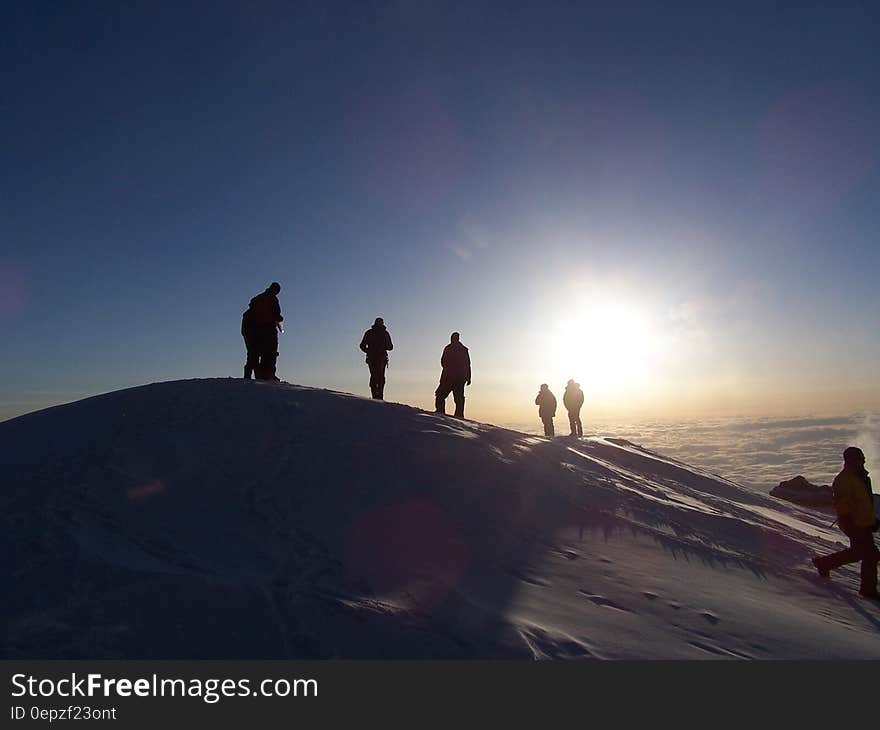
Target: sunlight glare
(610, 347)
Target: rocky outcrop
(801, 491)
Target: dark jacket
(546, 403)
(456, 363)
(573, 398)
(376, 342)
(266, 309)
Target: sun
(609, 346)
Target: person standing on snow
(376, 343)
(573, 399)
(546, 403)
(854, 504)
(266, 320)
(456, 373)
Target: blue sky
(704, 177)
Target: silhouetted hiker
(854, 504)
(573, 399)
(546, 403)
(250, 343)
(266, 319)
(456, 363)
(376, 342)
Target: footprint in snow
(604, 602)
(710, 617)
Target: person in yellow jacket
(854, 504)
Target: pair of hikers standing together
(455, 363)
(260, 325)
(573, 400)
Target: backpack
(247, 322)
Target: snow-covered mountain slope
(231, 519)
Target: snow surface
(231, 519)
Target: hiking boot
(823, 572)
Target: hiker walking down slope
(573, 399)
(266, 320)
(854, 504)
(546, 403)
(456, 373)
(376, 343)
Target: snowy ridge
(231, 519)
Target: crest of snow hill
(229, 519)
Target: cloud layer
(757, 452)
